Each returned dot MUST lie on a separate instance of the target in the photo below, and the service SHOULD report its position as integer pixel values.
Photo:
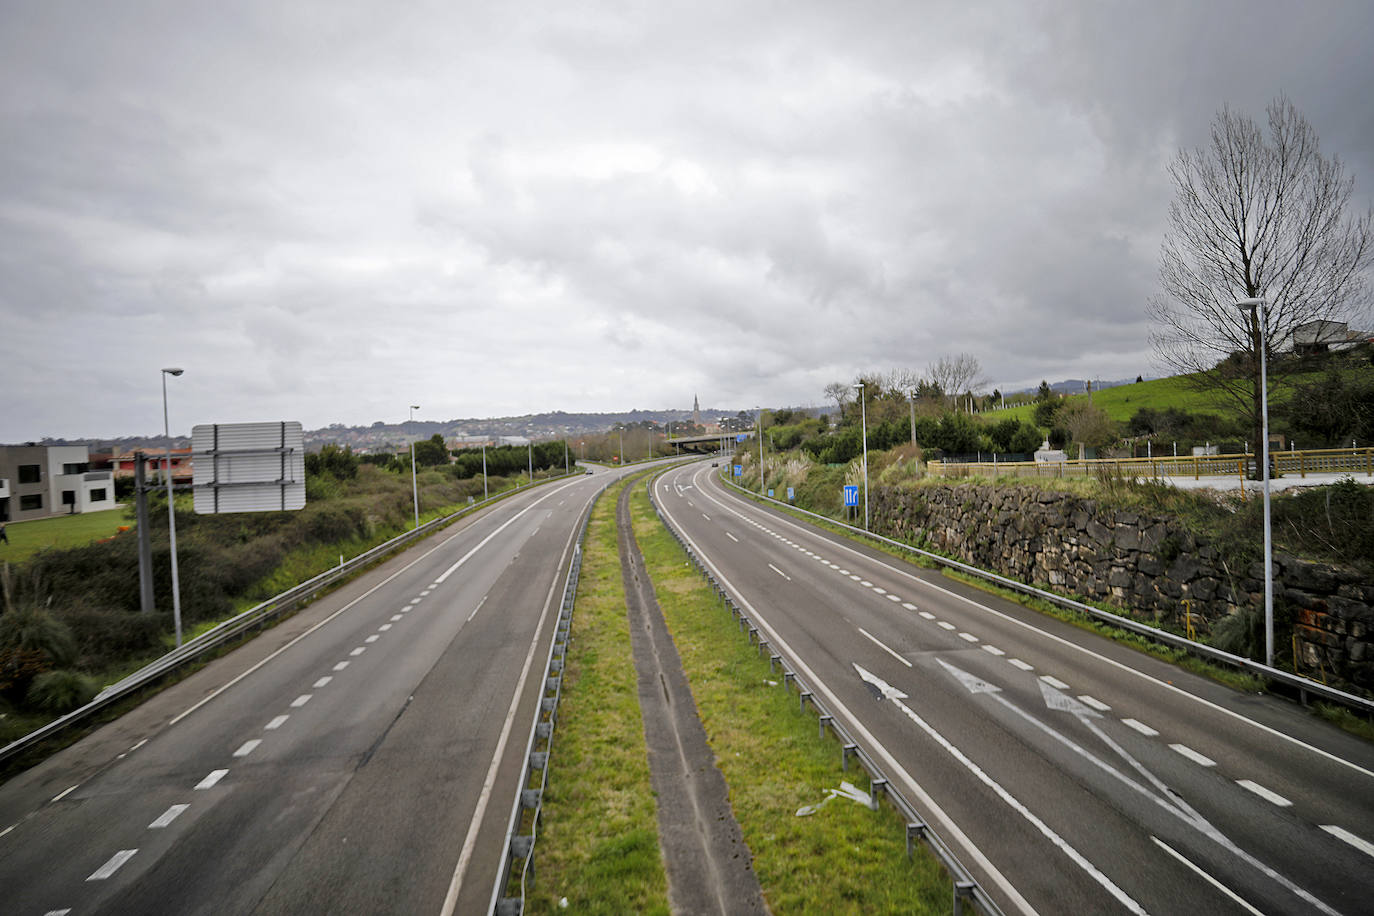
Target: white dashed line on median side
(1141, 727)
(322, 681)
(908, 605)
(1268, 795)
(968, 637)
(358, 651)
(112, 866)
(927, 615)
(945, 625)
(1094, 702)
(897, 598)
(384, 627)
(1017, 663)
(301, 700)
(248, 747)
(167, 817)
(373, 638)
(1193, 755)
(1054, 682)
(1359, 843)
(209, 781)
(341, 666)
(275, 724)
(993, 650)
(395, 617)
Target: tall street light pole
(1259, 322)
(863, 408)
(911, 399)
(761, 473)
(171, 508)
(485, 494)
(531, 445)
(414, 487)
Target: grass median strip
(843, 858)
(599, 843)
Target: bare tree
(1087, 425)
(956, 375)
(1255, 217)
(839, 393)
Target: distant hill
(1078, 385)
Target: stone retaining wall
(1145, 565)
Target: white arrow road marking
(1166, 799)
(880, 688)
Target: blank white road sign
(248, 467)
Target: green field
(27, 538)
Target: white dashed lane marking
(275, 724)
(1054, 682)
(167, 817)
(1268, 795)
(993, 650)
(373, 638)
(927, 615)
(946, 625)
(341, 666)
(248, 747)
(968, 637)
(732, 537)
(780, 572)
(1359, 843)
(109, 868)
(908, 605)
(301, 700)
(358, 651)
(1017, 663)
(322, 681)
(1093, 702)
(1193, 755)
(1141, 727)
(209, 781)
(64, 793)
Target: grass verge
(599, 839)
(28, 538)
(845, 858)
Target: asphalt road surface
(1071, 775)
(361, 757)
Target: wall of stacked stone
(1143, 564)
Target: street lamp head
(857, 386)
(174, 371)
(1256, 302)
(414, 406)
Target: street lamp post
(762, 492)
(171, 507)
(911, 400)
(531, 444)
(485, 494)
(863, 413)
(414, 487)
(1259, 323)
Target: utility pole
(145, 550)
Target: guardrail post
(825, 720)
(849, 750)
(914, 830)
(963, 890)
(805, 695)
(787, 679)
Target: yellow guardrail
(1286, 463)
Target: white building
(38, 481)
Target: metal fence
(237, 626)
(1353, 461)
(966, 888)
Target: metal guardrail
(1303, 685)
(237, 625)
(1286, 463)
(966, 887)
(520, 846)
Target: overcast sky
(328, 211)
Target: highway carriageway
(1069, 773)
(361, 756)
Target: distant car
(589, 472)
(715, 464)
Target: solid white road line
(247, 747)
(167, 817)
(1359, 843)
(1268, 795)
(112, 866)
(276, 723)
(1206, 877)
(1141, 727)
(1193, 755)
(780, 572)
(209, 781)
(879, 643)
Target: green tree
(431, 452)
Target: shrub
(60, 691)
(108, 637)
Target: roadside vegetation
(70, 622)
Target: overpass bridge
(709, 442)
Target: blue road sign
(851, 494)
(739, 470)
(741, 437)
(790, 494)
(770, 492)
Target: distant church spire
(696, 410)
